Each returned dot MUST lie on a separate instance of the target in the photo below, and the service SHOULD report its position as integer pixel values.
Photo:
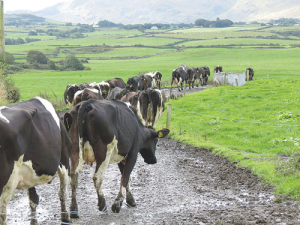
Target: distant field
(252, 125)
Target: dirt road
(188, 185)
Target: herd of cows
(108, 122)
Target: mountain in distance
(167, 11)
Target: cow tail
(85, 108)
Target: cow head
(150, 139)
(105, 89)
(70, 92)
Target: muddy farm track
(188, 185)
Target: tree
(200, 22)
(34, 56)
(32, 33)
(72, 63)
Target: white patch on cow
(94, 90)
(160, 110)
(112, 156)
(88, 152)
(50, 108)
(103, 83)
(77, 93)
(23, 176)
(79, 167)
(139, 114)
(2, 116)
(180, 80)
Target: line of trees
(215, 23)
(199, 22)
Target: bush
(7, 58)
(10, 91)
(51, 65)
(72, 63)
(34, 56)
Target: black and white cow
(156, 79)
(179, 76)
(86, 94)
(152, 106)
(117, 93)
(105, 89)
(34, 146)
(200, 72)
(116, 82)
(135, 84)
(191, 76)
(206, 75)
(249, 71)
(108, 132)
(70, 92)
(218, 69)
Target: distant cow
(151, 106)
(135, 83)
(117, 93)
(156, 79)
(200, 73)
(86, 94)
(206, 75)
(116, 82)
(105, 89)
(34, 146)
(218, 69)
(71, 90)
(179, 76)
(108, 132)
(147, 82)
(191, 75)
(132, 98)
(251, 73)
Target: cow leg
(130, 162)
(63, 193)
(129, 198)
(74, 184)
(33, 203)
(102, 164)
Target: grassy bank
(255, 125)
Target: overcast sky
(33, 5)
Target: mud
(188, 185)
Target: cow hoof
(33, 222)
(74, 214)
(66, 221)
(65, 217)
(102, 205)
(116, 207)
(131, 202)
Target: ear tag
(160, 134)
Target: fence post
(247, 75)
(169, 111)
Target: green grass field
(253, 125)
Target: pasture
(254, 125)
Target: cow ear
(162, 133)
(68, 120)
